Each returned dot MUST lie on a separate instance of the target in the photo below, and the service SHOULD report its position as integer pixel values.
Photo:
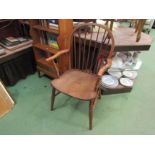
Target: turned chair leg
(99, 94)
(39, 75)
(91, 109)
(52, 99)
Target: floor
(128, 113)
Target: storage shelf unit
(42, 51)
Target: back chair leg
(52, 98)
(99, 94)
(39, 75)
(91, 110)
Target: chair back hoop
(91, 45)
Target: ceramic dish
(126, 82)
(130, 74)
(116, 74)
(109, 81)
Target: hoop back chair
(90, 52)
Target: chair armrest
(57, 54)
(105, 67)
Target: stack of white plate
(108, 81)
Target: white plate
(130, 74)
(126, 82)
(105, 86)
(109, 81)
(116, 74)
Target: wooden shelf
(45, 48)
(64, 29)
(39, 27)
(46, 67)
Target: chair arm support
(57, 54)
(105, 67)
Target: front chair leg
(52, 98)
(91, 109)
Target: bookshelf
(41, 32)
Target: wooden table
(125, 40)
(17, 64)
(10, 54)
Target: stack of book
(49, 39)
(12, 43)
(45, 37)
(53, 23)
(49, 23)
(9, 41)
(43, 22)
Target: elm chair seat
(77, 84)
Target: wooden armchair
(90, 55)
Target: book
(1, 48)
(15, 46)
(53, 23)
(53, 26)
(52, 41)
(21, 39)
(2, 51)
(5, 42)
(12, 39)
(43, 22)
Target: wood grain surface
(6, 102)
